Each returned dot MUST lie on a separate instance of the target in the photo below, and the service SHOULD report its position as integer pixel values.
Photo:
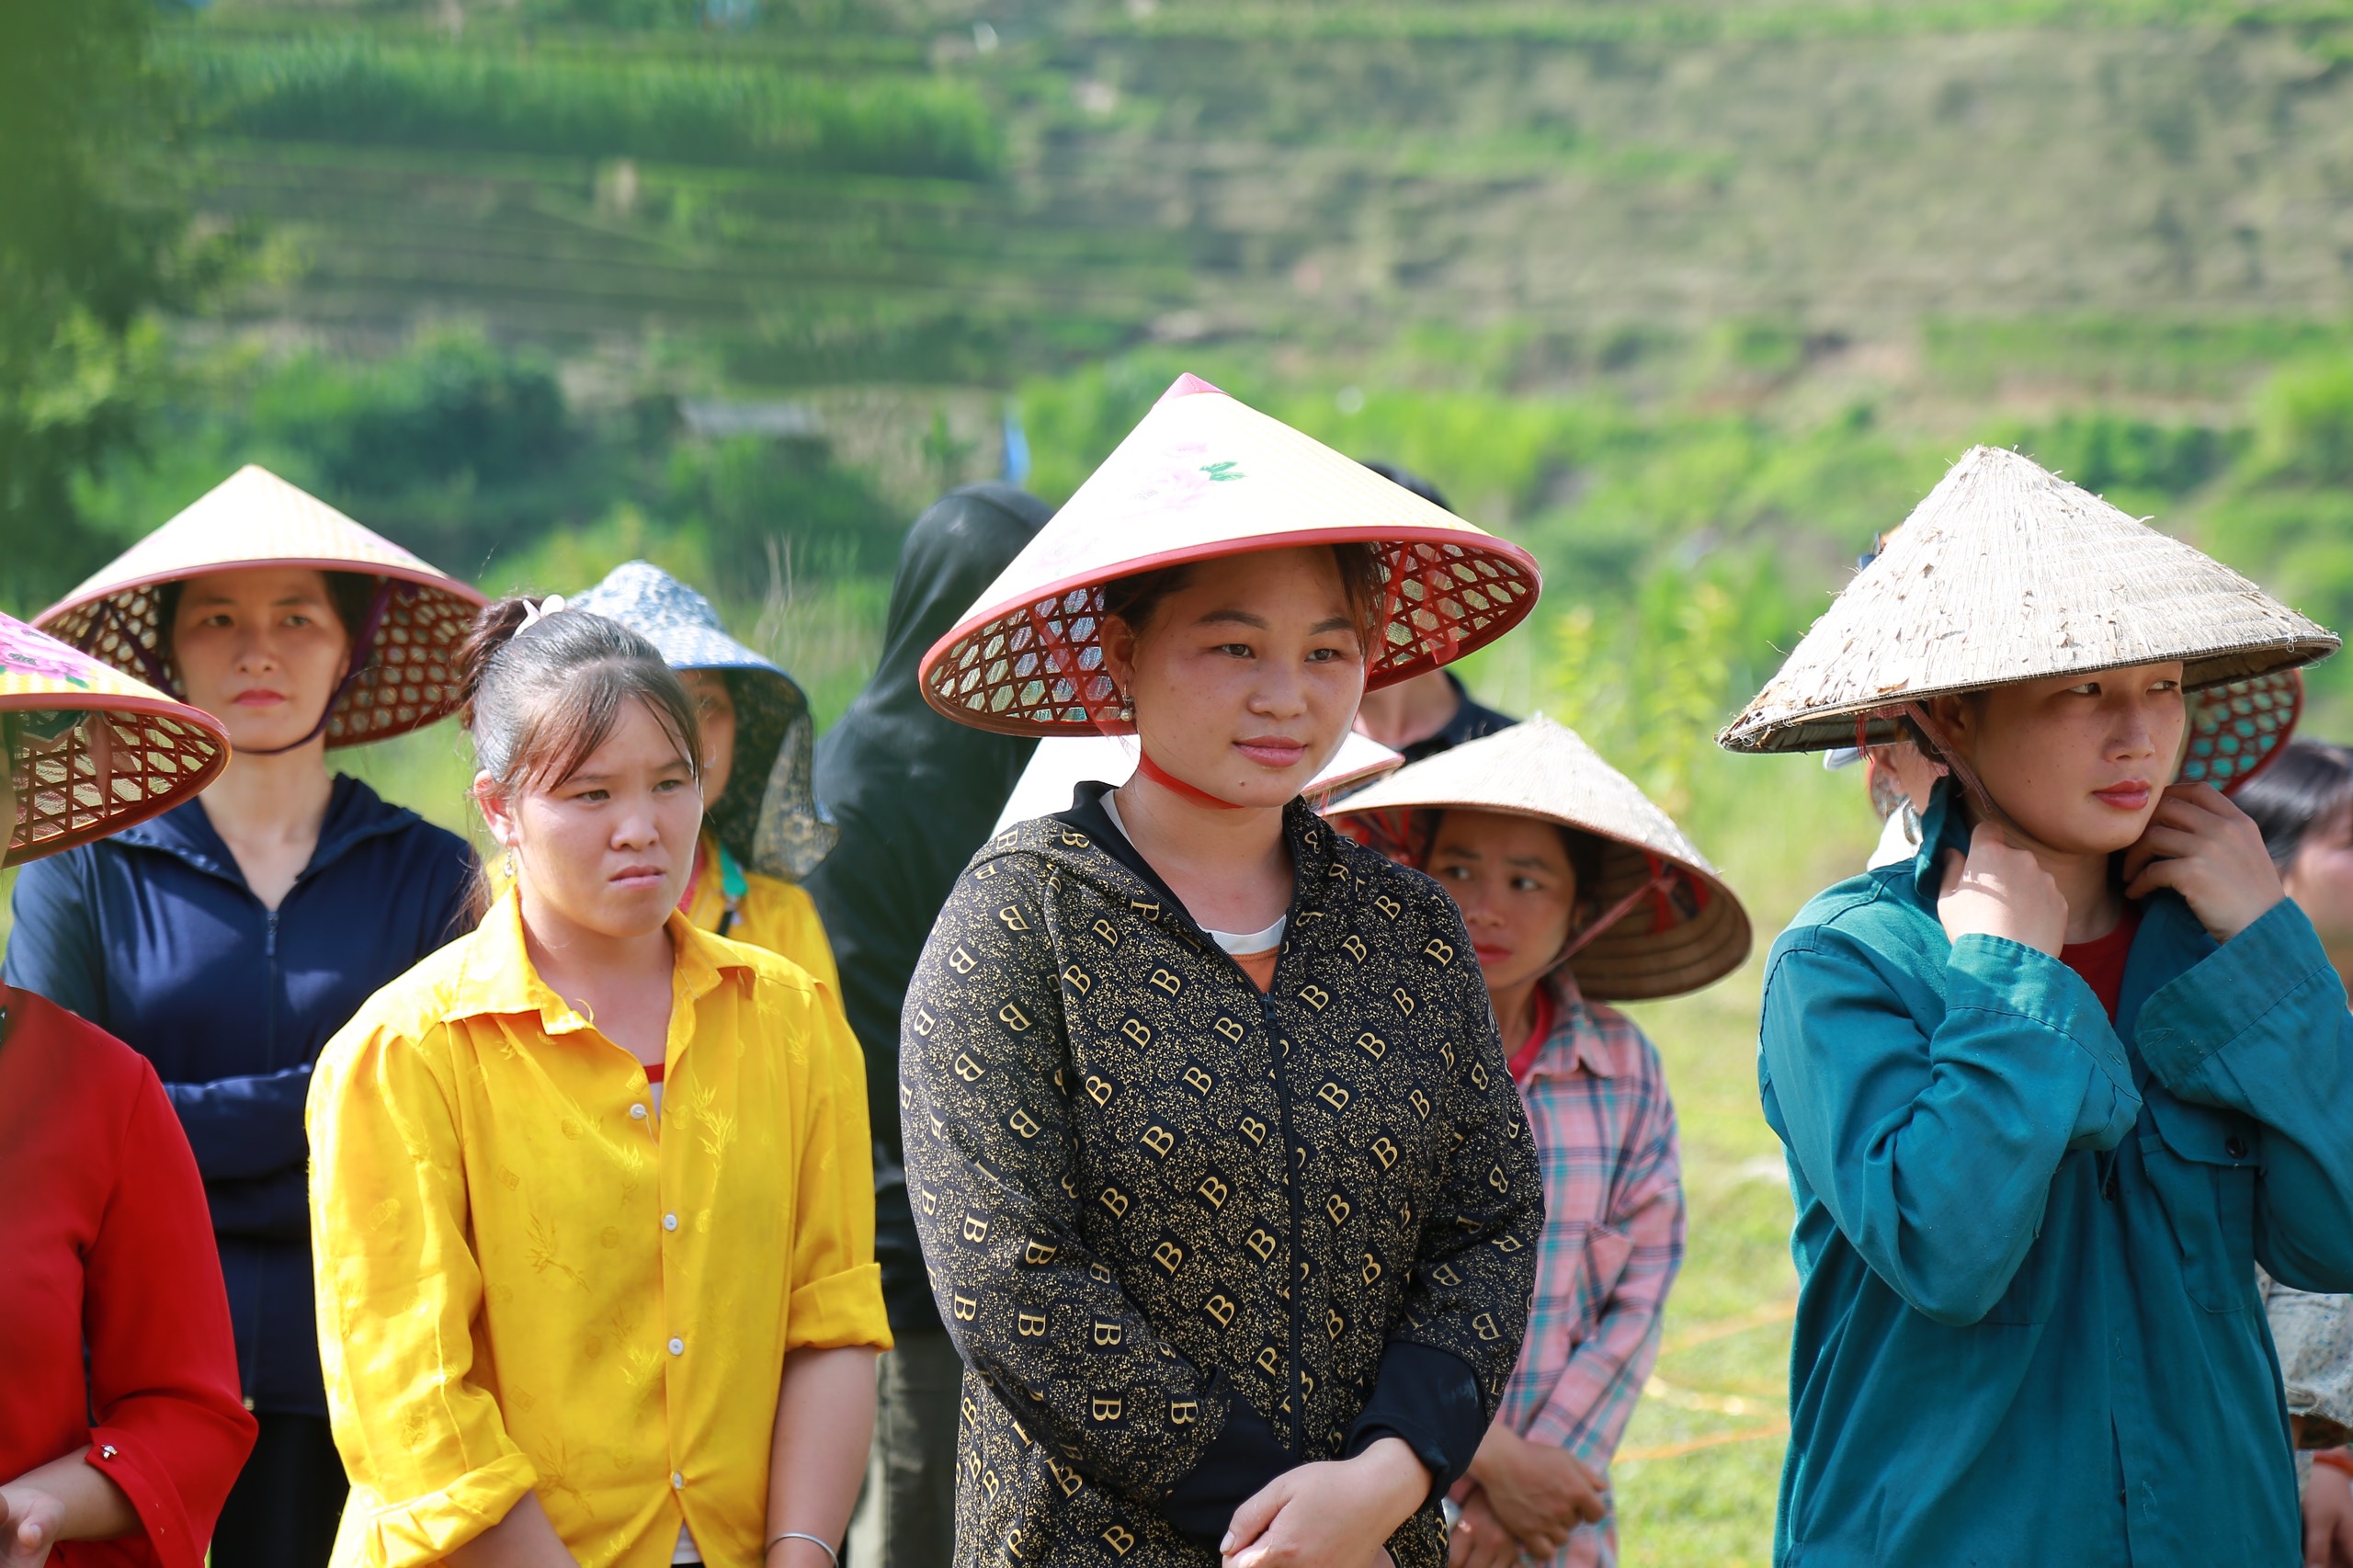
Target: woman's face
(714, 703)
(2079, 763)
(608, 849)
(1246, 678)
(2321, 879)
(261, 650)
(1512, 879)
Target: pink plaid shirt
(1613, 1239)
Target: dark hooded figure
(915, 795)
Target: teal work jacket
(2027, 1330)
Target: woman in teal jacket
(2049, 1090)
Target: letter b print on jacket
(1160, 1209)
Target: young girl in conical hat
(1576, 891)
(762, 831)
(1226, 1197)
(591, 1191)
(120, 1426)
(226, 939)
(2051, 1090)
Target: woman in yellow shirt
(762, 832)
(591, 1189)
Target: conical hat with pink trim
(253, 519)
(1205, 476)
(96, 751)
(1669, 922)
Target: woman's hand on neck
(269, 811)
(1231, 867)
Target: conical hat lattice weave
(255, 518)
(1686, 931)
(98, 751)
(2006, 572)
(1205, 476)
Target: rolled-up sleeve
(431, 1463)
(837, 1287)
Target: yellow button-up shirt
(528, 1280)
(769, 913)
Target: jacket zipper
(1292, 1285)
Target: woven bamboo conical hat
(2007, 573)
(255, 518)
(1684, 928)
(98, 751)
(1205, 476)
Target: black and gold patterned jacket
(1187, 1236)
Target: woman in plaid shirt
(1553, 853)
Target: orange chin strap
(1169, 781)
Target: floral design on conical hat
(1204, 476)
(97, 750)
(1678, 924)
(2005, 573)
(255, 518)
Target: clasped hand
(30, 1518)
(1523, 1497)
(1335, 1514)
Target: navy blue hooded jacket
(153, 936)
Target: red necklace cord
(1168, 780)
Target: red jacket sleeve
(170, 1427)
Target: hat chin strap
(1662, 879)
(363, 649)
(1169, 781)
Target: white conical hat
(1061, 763)
(2007, 573)
(1683, 930)
(255, 518)
(1204, 476)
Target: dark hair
(537, 701)
(1406, 479)
(348, 592)
(1364, 578)
(2306, 784)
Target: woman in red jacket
(121, 1427)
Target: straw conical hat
(1204, 476)
(1686, 931)
(255, 518)
(2007, 573)
(98, 751)
(1061, 763)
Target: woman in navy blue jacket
(227, 939)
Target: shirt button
(637, 1113)
(669, 1221)
(678, 1481)
(2235, 1148)
(107, 1451)
(677, 1347)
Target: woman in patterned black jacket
(1234, 1223)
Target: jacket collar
(1315, 853)
(497, 977)
(355, 814)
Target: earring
(507, 866)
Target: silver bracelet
(817, 1541)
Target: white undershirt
(1236, 942)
